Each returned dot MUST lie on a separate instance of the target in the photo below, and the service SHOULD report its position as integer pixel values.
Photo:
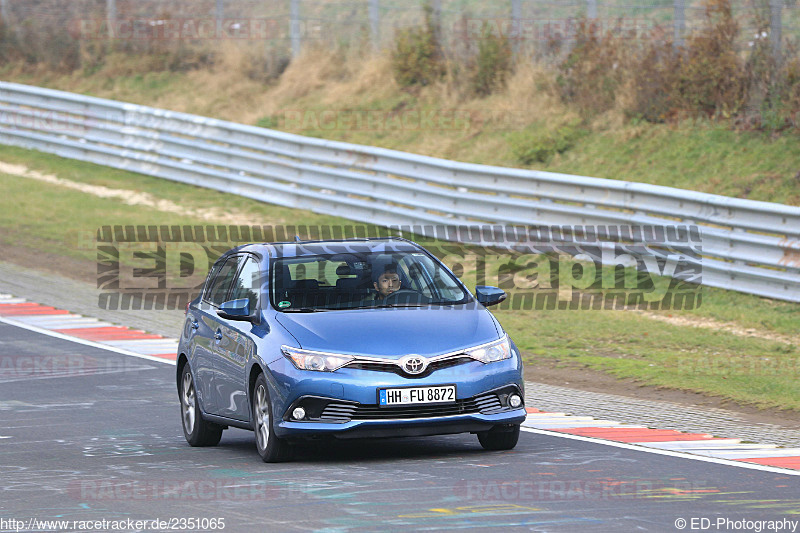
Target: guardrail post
(294, 26)
(679, 23)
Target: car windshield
(355, 279)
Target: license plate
(417, 395)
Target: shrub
(710, 72)
(772, 84)
(539, 144)
(790, 91)
(652, 77)
(9, 46)
(417, 58)
(590, 75)
(493, 64)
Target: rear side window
(222, 281)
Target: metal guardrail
(747, 246)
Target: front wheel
(198, 432)
(499, 438)
(271, 448)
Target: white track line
(93, 344)
(669, 453)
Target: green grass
(695, 155)
(621, 343)
(748, 370)
(58, 220)
(698, 156)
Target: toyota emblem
(413, 364)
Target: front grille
(345, 412)
(392, 367)
(376, 367)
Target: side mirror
(236, 310)
(489, 295)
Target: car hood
(393, 332)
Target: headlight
(319, 361)
(494, 351)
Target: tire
(499, 438)
(271, 448)
(198, 432)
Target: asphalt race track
(90, 435)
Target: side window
(223, 281)
(248, 284)
(212, 276)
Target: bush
(539, 145)
(493, 64)
(417, 58)
(652, 78)
(590, 75)
(710, 72)
(789, 91)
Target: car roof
(330, 246)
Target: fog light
(299, 413)
(514, 401)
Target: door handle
(218, 335)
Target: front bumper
(402, 427)
(481, 400)
(347, 419)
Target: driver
(387, 282)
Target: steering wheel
(399, 294)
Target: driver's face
(387, 283)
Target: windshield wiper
(305, 310)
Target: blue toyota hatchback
(348, 339)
